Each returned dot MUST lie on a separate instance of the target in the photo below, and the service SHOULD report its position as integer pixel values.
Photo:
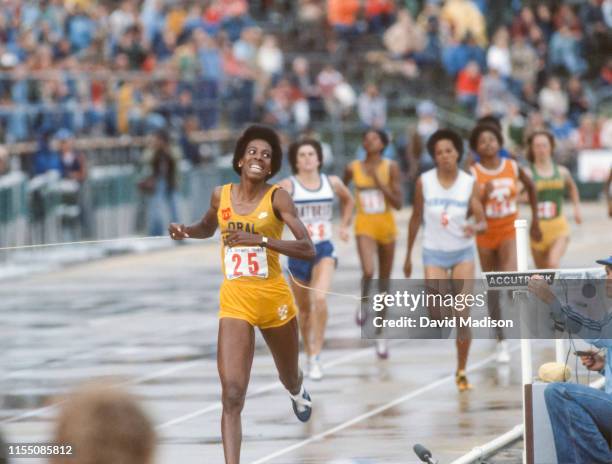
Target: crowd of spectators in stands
(108, 68)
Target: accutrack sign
(515, 280)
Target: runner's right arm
(205, 227)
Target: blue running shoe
(302, 405)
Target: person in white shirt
(313, 194)
(445, 200)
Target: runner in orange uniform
(497, 179)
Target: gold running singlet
(374, 217)
(253, 288)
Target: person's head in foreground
(258, 154)
(104, 425)
(446, 148)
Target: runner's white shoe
(503, 354)
(302, 405)
(315, 372)
(381, 348)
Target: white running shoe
(503, 354)
(315, 372)
(381, 348)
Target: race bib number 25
(245, 262)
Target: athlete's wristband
(264, 241)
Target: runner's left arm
(284, 209)
(301, 247)
(347, 203)
(535, 231)
(573, 193)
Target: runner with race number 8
(313, 194)
(251, 216)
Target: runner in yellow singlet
(251, 216)
(377, 190)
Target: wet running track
(149, 322)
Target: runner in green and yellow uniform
(551, 182)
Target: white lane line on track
(419, 391)
(266, 388)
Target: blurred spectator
(578, 101)
(498, 55)
(513, 128)
(494, 96)
(588, 133)
(160, 181)
(104, 424)
(605, 135)
(379, 14)
(605, 76)
(467, 86)
(270, 58)
(130, 44)
(524, 62)
(190, 149)
(418, 158)
(5, 165)
(286, 106)
(236, 19)
(310, 18)
(302, 79)
(552, 98)
(372, 107)
(239, 68)
(606, 9)
(209, 79)
(464, 17)
(121, 19)
(80, 29)
(522, 24)
(594, 25)
(566, 139)
(456, 57)
(74, 164)
(565, 51)
(535, 122)
(327, 81)
(404, 37)
(45, 158)
(342, 16)
(544, 20)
